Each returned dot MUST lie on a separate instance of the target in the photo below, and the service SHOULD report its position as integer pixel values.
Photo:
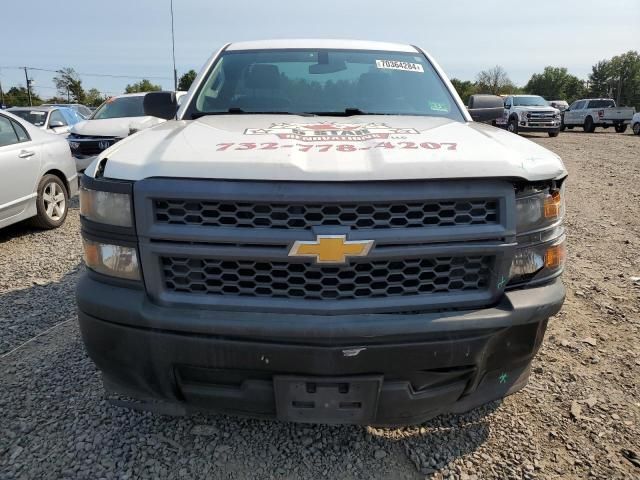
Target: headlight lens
(106, 207)
(113, 260)
(524, 115)
(539, 210)
(538, 261)
(541, 248)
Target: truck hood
(538, 108)
(114, 127)
(358, 148)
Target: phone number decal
(326, 147)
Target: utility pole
(173, 51)
(68, 101)
(26, 76)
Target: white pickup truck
(320, 233)
(590, 113)
(635, 123)
(529, 113)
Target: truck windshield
(324, 82)
(120, 107)
(532, 101)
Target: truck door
(580, 113)
(569, 114)
(505, 114)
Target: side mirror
(484, 108)
(160, 104)
(56, 124)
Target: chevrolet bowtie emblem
(331, 248)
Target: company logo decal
(331, 248)
(330, 131)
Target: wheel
(588, 126)
(621, 128)
(636, 128)
(554, 133)
(512, 126)
(52, 203)
(562, 126)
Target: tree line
(70, 90)
(617, 78)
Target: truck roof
(320, 43)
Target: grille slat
(306, 216)
(358, 280)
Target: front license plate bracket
(327, 399)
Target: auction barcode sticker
(397, 65)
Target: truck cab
(320, 233)
(529, 113)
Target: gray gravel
(578, 418)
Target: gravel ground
(578, 417)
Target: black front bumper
(525, 129)
(418, 365)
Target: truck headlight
(106, 207)
(539, 209)
(538, 261)
(541, 250)
(524, 116)
(113, 260)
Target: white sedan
(37, 174)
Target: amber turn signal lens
(553, 205)
(91, 254)
(555, 256)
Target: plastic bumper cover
(388, 369)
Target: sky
(133, 37)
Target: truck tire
(621, 128)
(562, 126)
(588, 126)
(512, 126)
(636, 128)
(555, 133)
(52, 203)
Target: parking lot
(578, 417)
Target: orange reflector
(555, 256)
(91, 254)
(552, 205)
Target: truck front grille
(226, 244)
(541, 119)
(370, 279)
(306, 216)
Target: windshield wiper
(239, 111)
(347, 112)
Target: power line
(107, 75)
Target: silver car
(58, 120)
(37, 174)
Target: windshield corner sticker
(439, 107)
(397, 65)
(330, 131)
